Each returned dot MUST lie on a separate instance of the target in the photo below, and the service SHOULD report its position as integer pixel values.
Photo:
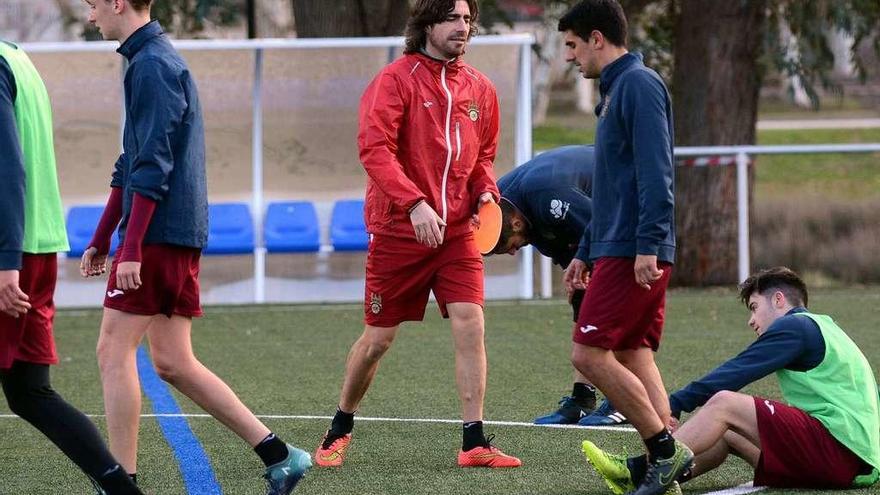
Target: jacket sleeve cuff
(675, 407)
(583, 254)
(10, 260)
(647, 246)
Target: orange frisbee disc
(487, 233)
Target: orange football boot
(490, 457)
(334, 454)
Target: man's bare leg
(620, 385)
(120, 335)
(468, 330)
(725, 411)
(171, 350)
(641, 363)
(362, 364)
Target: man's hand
(92, 264)
(427, 225)
(13, 301)
(486, 197)
(128, 275)
(576, 276)
(646, 270)
(673, 424)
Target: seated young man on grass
(825, 435)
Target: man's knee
(726, 403)
(171, 369)
(376, 341)
(466, 316)
(587, 359)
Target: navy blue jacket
(11, 175)
(553, 192)
(163, 142)
(792, 342)
(633, 183)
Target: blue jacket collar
(138, 38)
(795, 310)
(611, 71)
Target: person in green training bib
(825, 435)
(31, 233)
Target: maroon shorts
(169, 283)
(617, 314)
(29, 337)
(797, 451)
(401, 273)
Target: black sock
(584, 395)
(472, 436)
(637, 467)
(342, 424)
(115, 481)
(661, 445)
(134, 477)
(30, 396)
(271, 450)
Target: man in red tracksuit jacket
(428, 135)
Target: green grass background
(288, 360)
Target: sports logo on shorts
(375, 303)
(770, 406)
(473, 111)
(114, 293)
(588, 329)
(559, 208)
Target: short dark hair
(508, 212)
(140, 5)
(426, 13)
(605, 16)
(779, 278)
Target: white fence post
(257, 164)
(742, 205)
(524, 154)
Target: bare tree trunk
(715, 94)
(319, 19)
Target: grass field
(288, 361)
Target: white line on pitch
(738, 490)
(385, 420)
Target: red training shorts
(401, 273)
(29, 337)
(617, 314)
(797, 451)
(169, 283)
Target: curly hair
(426, 13)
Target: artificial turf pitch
(288, 361)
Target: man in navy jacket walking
(159, 200)
(632, 236)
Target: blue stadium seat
(81, 224)
(347, 229)
(291, 227)
(231, 229)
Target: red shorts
(169, 283)
(29, 337)
(617, 314)
(401, 273)
(797, 451)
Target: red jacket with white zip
(428, 131)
